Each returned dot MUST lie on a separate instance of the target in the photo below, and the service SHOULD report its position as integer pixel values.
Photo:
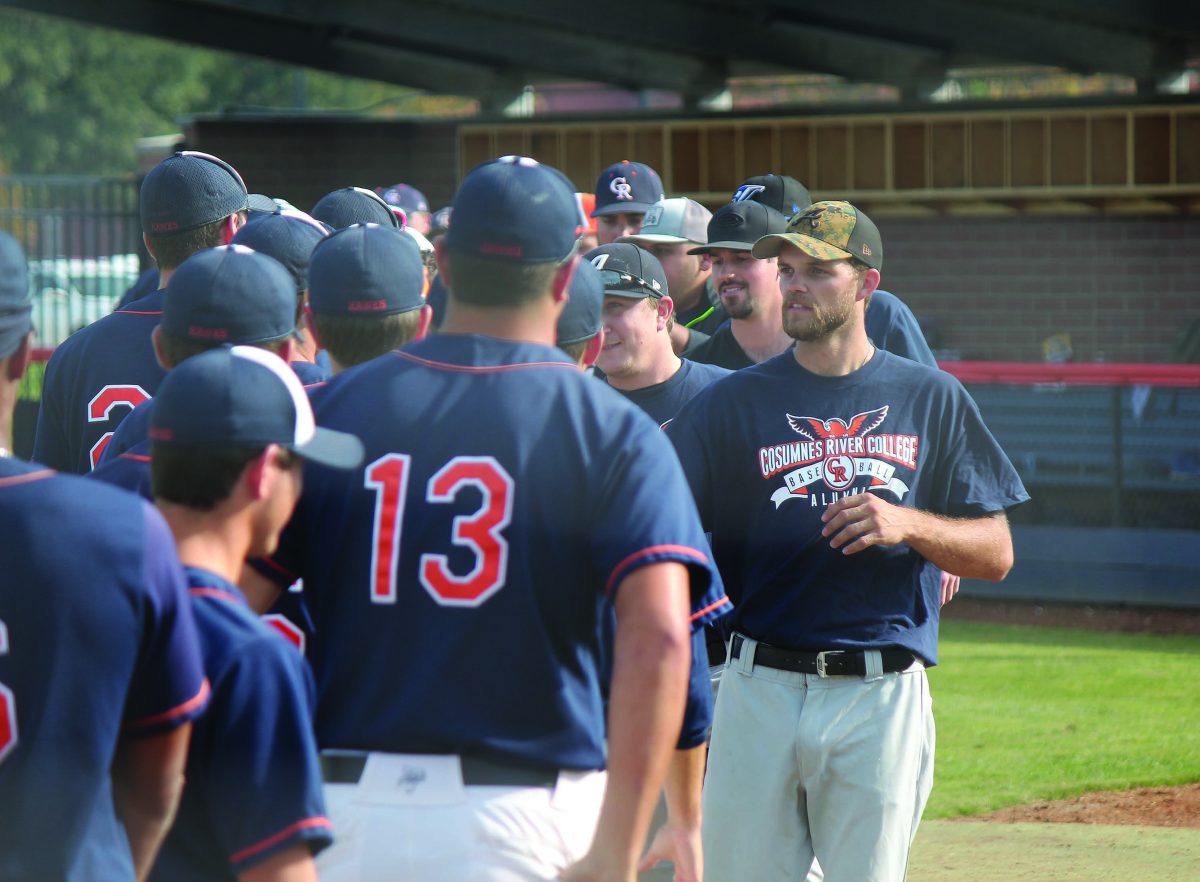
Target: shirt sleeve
(168, 687)
(698, 713)
(263, 779)
(977, 476)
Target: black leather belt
(477, 771)
(832, 663)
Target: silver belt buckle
(822, 668)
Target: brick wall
(1124, 288)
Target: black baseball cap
(245, 396)
(782, 192)
(739, 225)
(15, 306)
(230, 294)
(366, 269)
(354, 205)
(580, 318)
(188, 190)
(628, 271)
(828, 231)
(288, 236)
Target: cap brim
(732, 246)
(640, 294)
(623, 208)
(261, 202)
(653, 237)
(327, 447)
(770, 246)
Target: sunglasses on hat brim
(615, 280)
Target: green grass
(1031, 713)
(31, 383)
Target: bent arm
(652, 654)
(293, 864)
(147, 778)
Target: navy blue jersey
(134, 430)
(768, 448)
(94, 378)
(309, 372)
(892, 326)
(97, 640)
(663, 400)
(254, 783)
(129, 471)
(722, 349)
(455, 582)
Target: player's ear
(231, 226)
(424, 322)
(159, 352)
(870, 281)
(592, 351)
(561, 287)
(310, 324)
(288, 349)
(441, 254)
(146, 242)
(17, 362)
(665, 307)
(256, 476)
(705, 261)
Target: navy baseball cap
(628, 271)
(739, 225)
(405, 197)
(354, 205)
(366, 269)
(516, 209)
(627, 187)
(230, 294)
(580, 318)
(188, 190)
(288, 236)
(15, 306)
(782, 192)
(245, 396)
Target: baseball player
(747, 288)
(217, 297)
(637, 358)
(365, 294)
(229, 430)
(624, 193)
(189, 201)
(835, 479)
(100, 669)
(669, 229)
(410, 204)
(355, 205)
(289, 236)
(461, 576)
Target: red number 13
(481, 531)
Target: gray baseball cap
(674, 220)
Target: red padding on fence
(1083, 374)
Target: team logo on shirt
(838, 458)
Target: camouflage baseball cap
(828, 231)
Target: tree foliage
(74, 98)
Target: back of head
(183, 198)
(15, 306)
(365, 290)
(580, 319)
(288, 236)
(515, 222)
(354, 205)
(226, 295)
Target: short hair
(575, 350)
(354, 339)
(499, 283)
(176, 350)
(172, 249)
(197, 476)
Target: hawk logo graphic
(838, 457)
(621, 189)
(813, 217)
(835, 428)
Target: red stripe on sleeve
(194, 703)
(631, 562)
(724, 601)
(259, 847)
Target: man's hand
(949, 587)
(860, 521)
(679, 845)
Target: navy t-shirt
(456, 580)
(93, 380)
(254, 782)
(721, 349)
(663, 400)
(97, 641)
(767, 449)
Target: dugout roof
(491, 50)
